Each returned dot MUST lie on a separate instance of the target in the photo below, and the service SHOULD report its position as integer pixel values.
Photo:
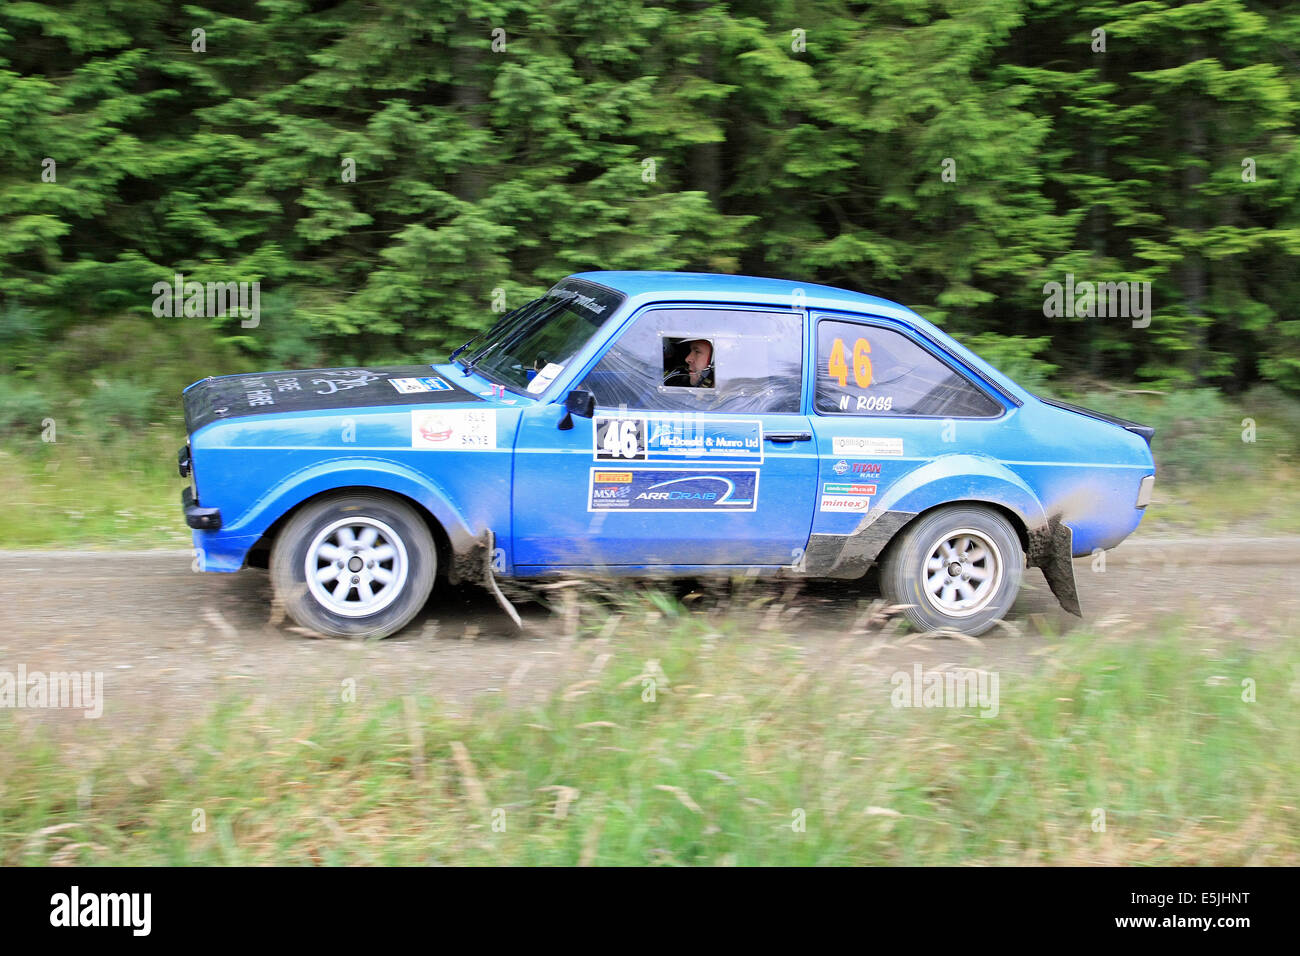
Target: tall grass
(680, 739)
(111, 487)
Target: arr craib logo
(658, 489)
(689, 494)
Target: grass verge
(682, 740)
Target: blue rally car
(659, 423)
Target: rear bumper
(200, 519)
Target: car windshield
(530, 347)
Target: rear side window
(701, 359)
(869, 370)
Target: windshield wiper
(544, 313)
(513, 316)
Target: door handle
(788, 436)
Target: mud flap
(1052, 549)
(476, 565)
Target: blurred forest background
(382, 167)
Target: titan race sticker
(843, 467)
(664, 489)
(871, 447)
(411, 386)
(454, 429)
(672, 438)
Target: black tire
(320, 525)
(960, 603)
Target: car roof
(689, 285)
(644, 287)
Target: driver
(698, 370)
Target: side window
(869, 370)
(701, 359)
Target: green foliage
(22, 408)
(1015, 356)
(120, 404)
(383, 169)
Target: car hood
(270, 393)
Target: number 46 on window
(839, 369)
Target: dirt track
(170, 641)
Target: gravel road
(170, 641)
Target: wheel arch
(259, 555)
(1015, 519)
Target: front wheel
(958, 568)
(354, 565)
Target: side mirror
(578, 402)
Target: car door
(715, 471)
(885, 404)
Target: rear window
(873, 371)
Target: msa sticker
(545, 377)
(872, 447)
(847, 488)
(672, 438)
(845, 503)
(664, 489)
(458, 429)
(409, 386)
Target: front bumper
(200, 519)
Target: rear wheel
(958, 567)
(354, 565)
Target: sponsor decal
(876, 447)
(454, 429)
(664, 489)
(845, 503)
(409, 386)
(342, 382)
(580, 300)
(544, 377)
(847, 488)
(677, 438)
(840, 467)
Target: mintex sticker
(544, 377)
(845, 503)
(458, 429)
(847, 488)
(663, 489)
(671, 438)
(409, 386)
(871, 447)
